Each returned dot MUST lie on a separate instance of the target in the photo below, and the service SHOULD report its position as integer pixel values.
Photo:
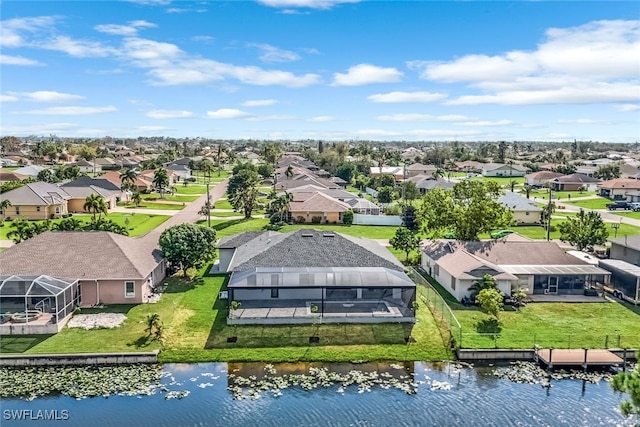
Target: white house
(524, 211)
(503, 170)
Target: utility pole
(208, 200)
(549, 215)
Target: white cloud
(571, 65)
(227, 113)
(433, 133)
(259, 103)
(8, 98)
(48, 96)
(363, 74)
(148, 129)
(274, 54)
(629, 107)
(13, 31)
(321, 119)
(151, 2)
(124, 30)
(311, 4)
(482, 123)
(271, 117)
(42, 129)
(203, 39)
(417, 117)
(584, 122)
(17, 60)
(71, 111)
(406, 97)
(169, 114)
(77, 48)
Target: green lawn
(139, 223)
(192, 189)
(196, 331)
(230, 227)
(629, 214)
(599, 203)
(156, 206)
(219, 214)
(222, 204)
(557, 325)
(538, 232)
(171, 198)
(544, 194)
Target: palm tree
(136, 198)
(68, 224)
(289, 172)
(95, 203)
(485, 282)
(161, 180)
(128, 179)
(3, 207)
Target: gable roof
(494, 166)
(87, 181)
(31, 170)
(37, 193)
(575, 178)
(517, 202)
(420, 166)
(312, 248)
(620, 183)
(84, 255)
(543, 175)
(319, 202)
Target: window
(17, 210)
(37, 208)
(526, 213)
(57, 209)
(436, 270)
(453, 283)
(274, 292)
(129, 289)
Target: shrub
(316, 219)
(347, 218)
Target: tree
(243, 188)
(87, 152)
(491, 301)
(502, 149)
(155, 326)
(347, 217)
(485, 282)
(629, 382)
(346, 171)
(105, 224)
(607, 172)
(469, 209)
(409, 219)
(47, 175)
(410, 191)
(265, 170)
(188, 245)
(95, 204)
(584, 230)
(68, 224)
(4, 204)
(405, 240)
(206, 166)
(136, 198)
(128, 177)
(289, 172)
(161, 180)
(23, 229)
(385, 194)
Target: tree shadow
(488, 326)
(20, 344)
(142, 341)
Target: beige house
(317, 208)
(110, 268)
(420, 169)
(618, 188)
(540, 178)
(524, 211)
(35, 201)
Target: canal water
(282, 395)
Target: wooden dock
(576, 357)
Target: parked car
(191, 179)
(617, 205)
(164, 190)
(635, 206)
(501, 233)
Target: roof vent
(307, 235)
(328, 235)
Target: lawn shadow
(488, 326)
(225, 224)
(20, 344)
(141, 342)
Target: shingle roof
(82, 255)
(86, 181)
(516, 202)
(575, 178)
(631, 242)
(237, 240)
(620, 183)
(37, 193)
(319, 202)
(312, 248)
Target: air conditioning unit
(223, 295)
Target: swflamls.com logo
(35, 415)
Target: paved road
(190, 212)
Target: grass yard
(172, 198)
(196, 331)
(139, 223)
(219, 214)
(599, 203)
(192, 189)
(538, 232)
(222, 204)
(629, 214)
(156, 206)
(557, 325)
(544, 194)
(229, 227)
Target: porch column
(359, 293)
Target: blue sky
(322, 69)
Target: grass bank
(196, 331)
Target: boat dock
(576, 357)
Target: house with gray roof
(541, 268)
(110, 268)
(503, 170)
(524, 211)
(306, 275)
(36, 200)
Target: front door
(553, 285)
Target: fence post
(606, 341)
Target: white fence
(359, 219)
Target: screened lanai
(334, 294)
(36, 300)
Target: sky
(322, 69)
